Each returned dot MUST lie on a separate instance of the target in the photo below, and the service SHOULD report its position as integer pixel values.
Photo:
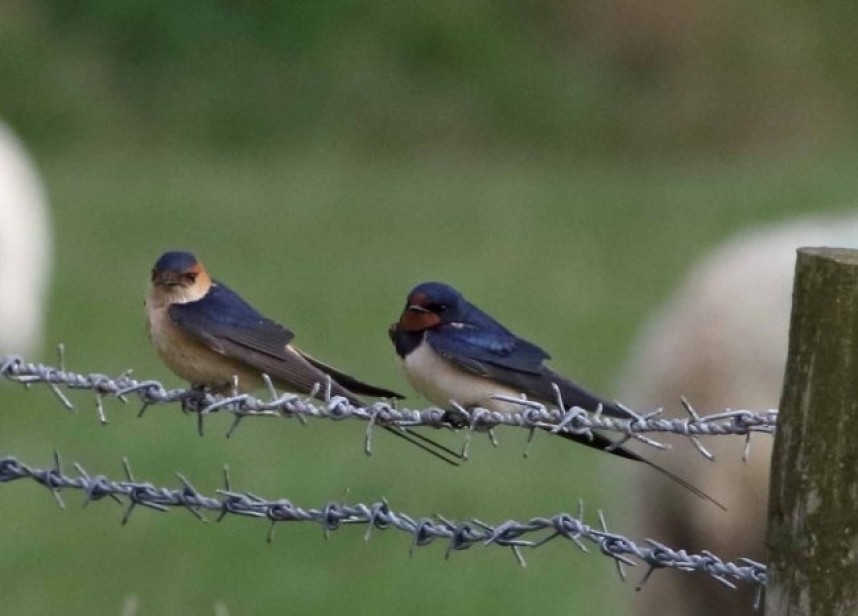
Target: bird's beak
(416, 308)
(166, 279)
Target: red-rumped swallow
(207, 334)
(453, 352)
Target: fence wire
(332, 516)
(533, 415)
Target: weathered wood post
(813, 502)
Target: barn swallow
(454, 352)
(207, 334)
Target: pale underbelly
(442, 383)
(196, 363)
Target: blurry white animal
(721, 341)
(25, 248)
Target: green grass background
(571, 257)
(562, 164)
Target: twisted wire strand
(532, 415)
(458, 535)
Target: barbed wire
(533, 415)
(459, 535)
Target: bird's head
(429, 305)
(179, 277)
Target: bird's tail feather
(605, 444)
(349, 382)
(425, 443)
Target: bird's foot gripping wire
(457, 417)
(195, 399)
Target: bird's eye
(436, 307)
(190, 276)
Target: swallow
(208, 335)
(453, 352)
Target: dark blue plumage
(222, 313)
(453, 351)
(474, 341)
(175, 261)
(474, 329)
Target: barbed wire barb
(619, 560)
(57, 470)
(746, 452)
(694, 440)
(641, 419)
(528, 445)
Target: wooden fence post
(813, 501)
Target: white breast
(440, 381)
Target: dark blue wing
(486, 348)
(497, 347)
(503, 357)
(227, 324)
(223, 315)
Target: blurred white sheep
(721, 341)
(25, 248)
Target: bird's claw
(194, 399)
(457, 418)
